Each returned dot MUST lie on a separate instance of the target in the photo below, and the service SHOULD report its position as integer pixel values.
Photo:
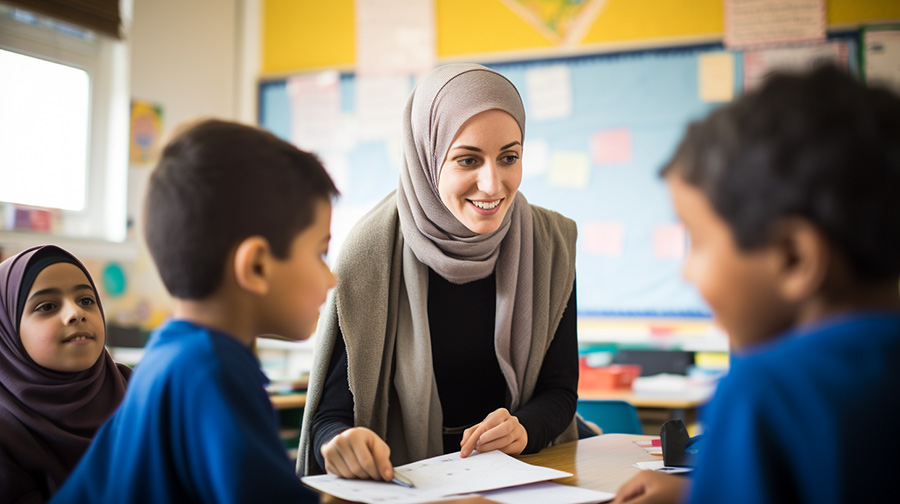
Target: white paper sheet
(546, 492)
(439, 477)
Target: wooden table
(601, 463)
(682, 405)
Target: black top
(470, 383)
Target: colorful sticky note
(716, 76)
(569, 169)
(611, 146)
(606, 238)
(669, 241)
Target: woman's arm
(335, 412)
(552, 406)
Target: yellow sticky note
(569, 169)
(716, 76)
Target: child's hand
(651, 487)
(498, 431)
(358, 453)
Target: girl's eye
(45, 307)
(86, 301)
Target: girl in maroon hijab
(58, 383)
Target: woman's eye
(467, 161)
(87, 301)
(510, 159)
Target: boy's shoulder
(180, 348)
(845, 358)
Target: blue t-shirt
(196, 425)
(807, 419)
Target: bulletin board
(596, 162)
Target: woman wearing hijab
(453, 325)
(58, 383)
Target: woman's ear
(806, 256)
(252, 265)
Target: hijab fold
(47, 417)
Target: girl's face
(62, 328)
(482, 171)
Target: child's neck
(219, 314)
(851, 298)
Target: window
(63, 128)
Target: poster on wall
(561, 21)
(751, 23)
(758, 64)
(146, 130)
(882, 56)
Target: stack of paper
(451, 475)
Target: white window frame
(106, 62)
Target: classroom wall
(306, 35)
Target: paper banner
(769, 22)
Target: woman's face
(62, 327)
(482, 171)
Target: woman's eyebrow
(476, 149)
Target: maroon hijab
(47, 418)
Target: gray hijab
(441, 103)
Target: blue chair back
(613, 416)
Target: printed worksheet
(438, 477)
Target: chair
(613, 416)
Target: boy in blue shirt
(237, 222)
(790, 198)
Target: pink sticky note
(612, 146)
(669, 241)
(604, 238)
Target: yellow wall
(306, 34)
(303, 34)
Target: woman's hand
(651, 487)
(358, 453)
(498, 431)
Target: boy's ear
(806, 256)
(252, 265)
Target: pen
(402, 480)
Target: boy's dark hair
(821, 146)
(218, 183)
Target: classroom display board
(598, 130)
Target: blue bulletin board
(628, 111)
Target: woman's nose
(489, 178)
